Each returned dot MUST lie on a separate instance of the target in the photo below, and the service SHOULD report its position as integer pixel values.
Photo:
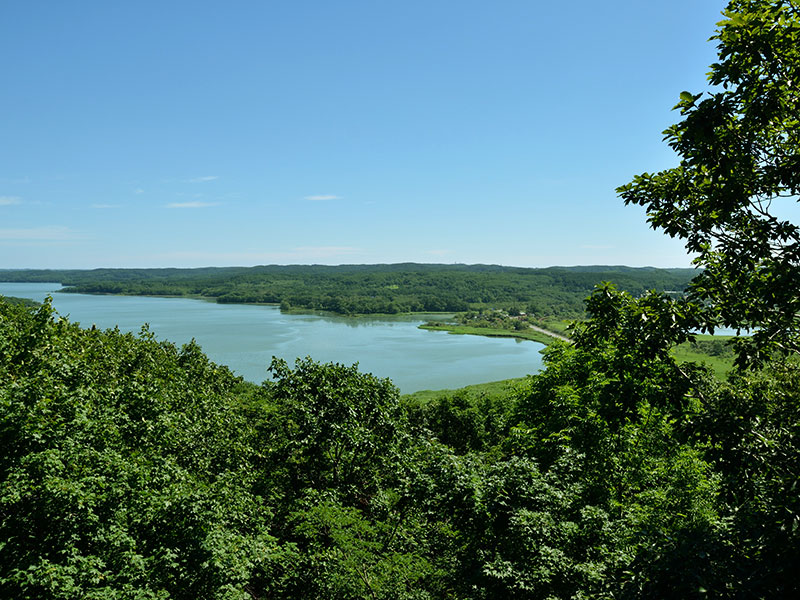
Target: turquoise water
(246, 337)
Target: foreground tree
(740, 167)
(730, 199)
(125, 470)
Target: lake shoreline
(529, 335)
(245, 337)
(536, 334)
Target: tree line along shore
(373, 289)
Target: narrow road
(558, 336)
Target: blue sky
(148, 134)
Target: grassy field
(493, 388)
(521, 334)
(560, 326)
(710, 350)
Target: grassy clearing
(492, 388)
(560, 326)
(521, 334)
(710, 350)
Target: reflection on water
(246, 337)
(369, 321)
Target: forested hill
(365, 289)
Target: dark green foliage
(332, 430)
(465, 422)
(348, 555)
(23, 301)
(136, 469)
(740, 162)
(132, 468)
(754, 443)
(694, 475)
(335, 464)
(506, 529)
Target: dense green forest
(136, 469)
(369, 289)
(132, 468)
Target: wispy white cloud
(323, 197)
(45, 233)
(324, 251)
(202, 179)
(191, 204)
(9, 200)
(106, 205)
(301, 253)
(138, 191)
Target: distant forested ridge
(371, 289)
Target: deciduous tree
(739, 148)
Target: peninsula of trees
(374, 289)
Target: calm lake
(246, 337)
